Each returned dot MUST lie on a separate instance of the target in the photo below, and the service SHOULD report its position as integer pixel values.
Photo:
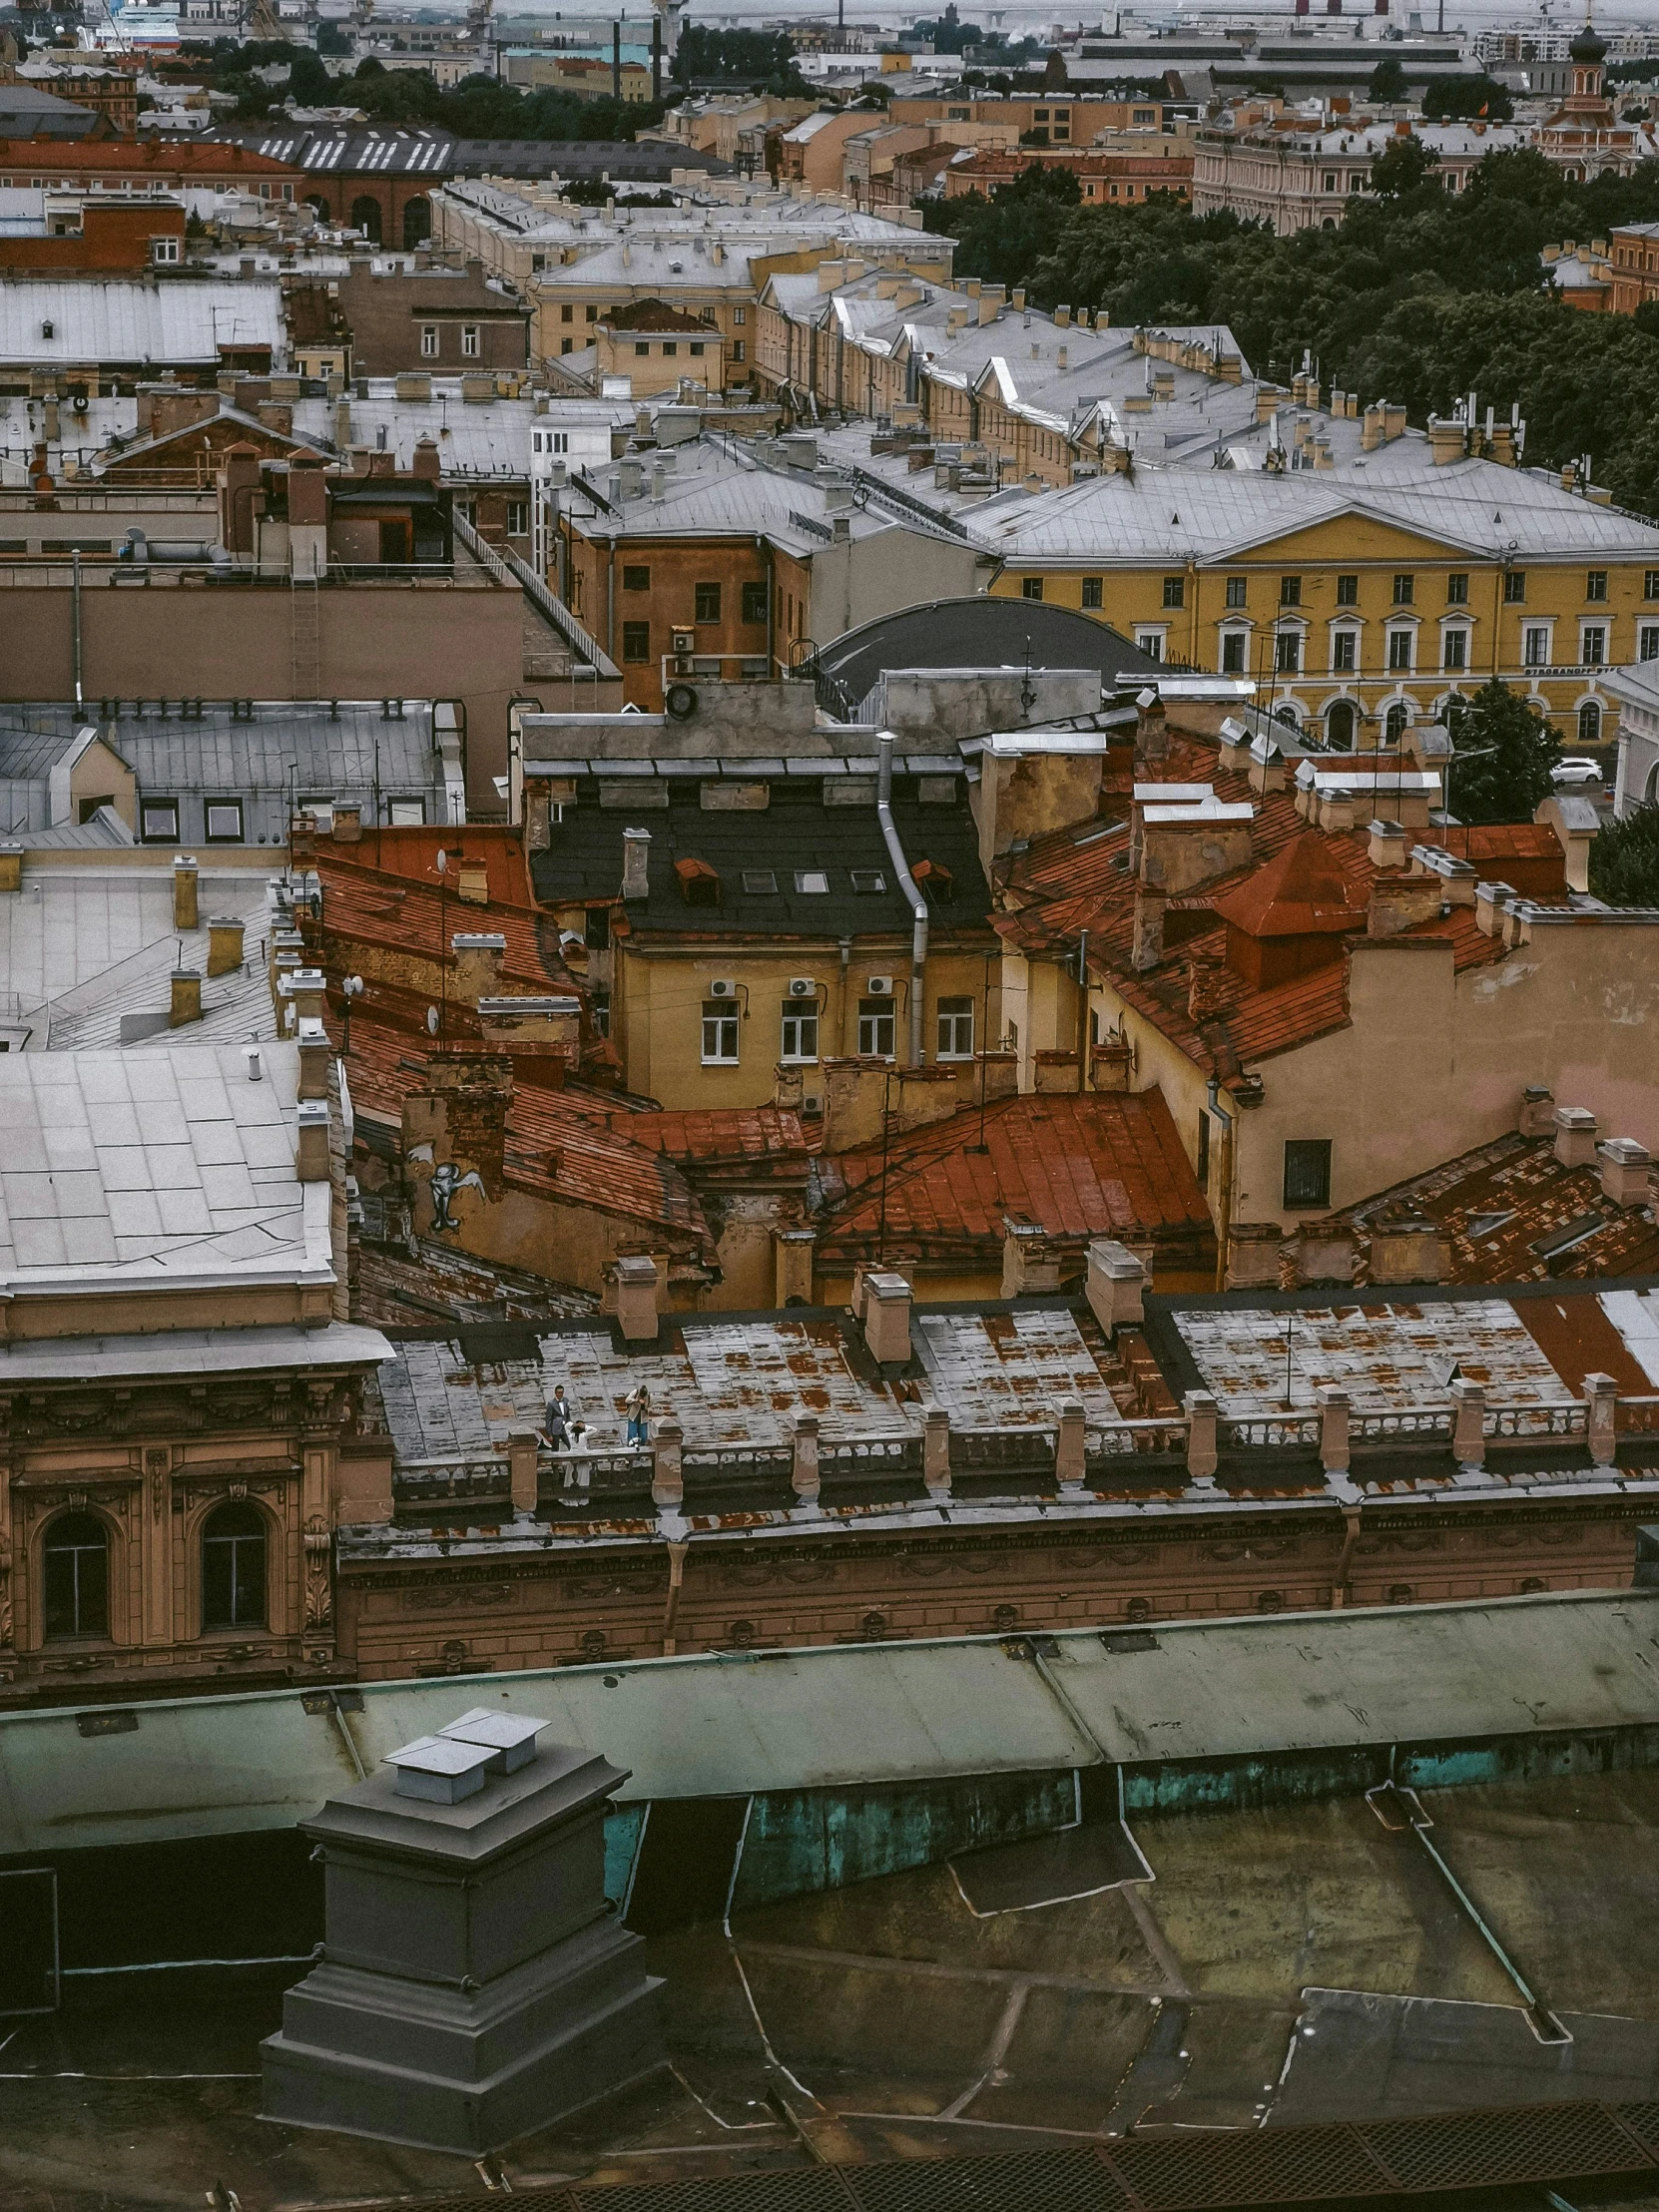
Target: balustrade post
(1601, 1396)
(935, 1448)
(803, 1475)
(1069, 1445)
(1203, 1455)
(1335, 1452)
(668, 1484)
(522, 1447)
(1469, 1425)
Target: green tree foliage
(1388, 81)
(1418, 296)
(1456, 99)
(1002, 239)
(478, 106)
(1624, 859)
(759, 58)
(1403, 168)
(332, 38)
(1503, 753)
(948, 34)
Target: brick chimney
(1029, 1267)
(887, 1319)
(184, 908)
(311, 1161)
(478, 956)
(1114, 1285)
(636, 855)
(637, 1286)
(1626, 1171)
(1576, 1136)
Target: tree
(1002, 239)
(1403, 167)
(1503, 753)
(1459, 99)
(1388, 83)
(1624, 859)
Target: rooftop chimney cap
(510, 1736)
(442, 1770)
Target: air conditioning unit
(722, 986)
(684, 641)
(803, 986)
(879, 987)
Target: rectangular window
(1514, 588)
(1330, 180)
(1454, 650)
(799, 1036)
(1237, 589)
(670, 349)
(163, 250)
(813, 882)
(1399, 649)
(868, 880)
(720, 1032)
(1234, 647)
(708, 602)
(641, 347)
(1647, 647)
(469, 341)
(223, 817)
(1650, 584)
(159, 820)
(1175, 590)
(876, 1028)
(1457, 591)
(1203, 1163)
(1595, 584)
(407, 814)
(1094, 591)
(739, 351)
(591, 313)
(740, 315)
(1404, 589)
(696, 349)
(518, 518)
(1536, 648)
(955, 1029)
(567, 314)
(1289, 591)
(1287, 652)
(1345, 649)
(1308, 1171)
(1151, 643)
(1031, 587)
(635, 578)
(1347, 591)
(428, 341)
(754, 602)
(567, 345)
(1594, 646)
(636, 641)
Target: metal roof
(983, 633)
(184, 322)
(725, 1724)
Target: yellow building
(747, 927)
(1365, 576)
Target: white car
(1575, 770)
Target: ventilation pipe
(907, 884)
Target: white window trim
(1604, 624)
(1238, 628)
(1153, 637)
(1547, 625)
(1344, 627)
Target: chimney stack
(636, 855)
(888, 1317)
(1576, 1136)
(186, 912)
(312, 1160)
(635, 1299)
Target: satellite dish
(431, 1021)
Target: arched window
(233, 1569)
(418, 223)
(1397, 722)
(317, 201)
(365, 216)
(1589, 722)
(1289, 716)
(77, 1576)
(1339, 726)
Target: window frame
(1458, 588)
(429, 342)
(1515, 587)
(873, 1013)
(1406, 590)
(719, 1017)
(799, 1014)
(1094, 594)
(1289, 591)
(1175, 594)
(1345, 651)
(1600, 632)
(950, 1014)
(215, 1623)
(1595, 587)
(212, 806)
(636, 576)
(80, 1631)
(754, 602)
(471, 341)
(147, 835)
(1347, 591)
(1307, 1174)
(635, 644)
(705, 596)
(1545, 658)
(1031, 587)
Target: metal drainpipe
(75, 622)
(907, 884)
(1223, 1212)
(764, 544)
(609, 602)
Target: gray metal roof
(983, 633)
(182, 321)
(720, 1724)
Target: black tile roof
(797, 833)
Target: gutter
(907, 884)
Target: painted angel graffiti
(446, 1185)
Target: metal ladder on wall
(305, 637)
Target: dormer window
(698, 882)
(48, 330)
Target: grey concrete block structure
(474, 1983)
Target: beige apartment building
(186, 1417)
(1293, 178)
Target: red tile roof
(1105, 1164)
(1078, 879)
(718, 1136)
(1301, 892)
